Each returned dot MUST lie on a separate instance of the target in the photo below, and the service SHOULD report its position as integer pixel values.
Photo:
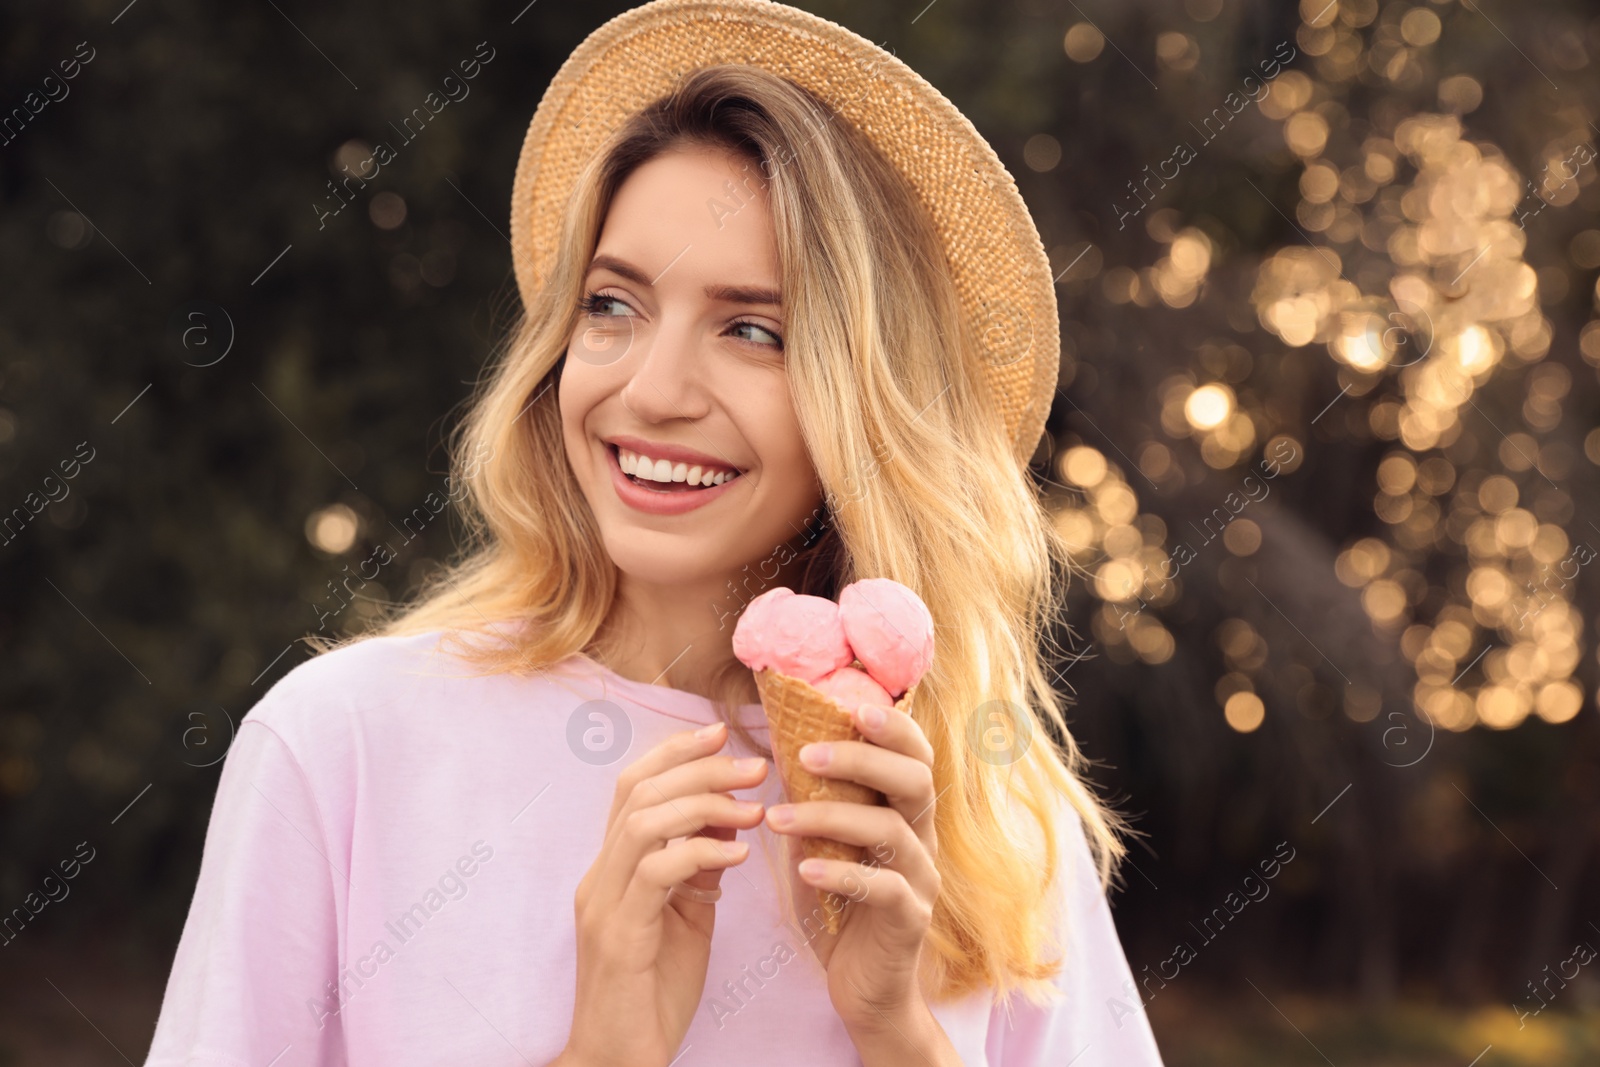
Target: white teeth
(661, 470)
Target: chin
(696, 564)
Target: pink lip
(658, 503)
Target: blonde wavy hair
(920, 485)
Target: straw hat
(993, 249)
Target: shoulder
(1076, 905)
(1076, 870)
(1078, 857)
(313, 700)
(1093, 1001)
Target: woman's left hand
(872, 963)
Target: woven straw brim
(992, 247)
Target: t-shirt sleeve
(1097, 1019)
(253, 981)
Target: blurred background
(1325, 441)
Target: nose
(667, 375)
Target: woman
(773, 338)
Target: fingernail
(748, 764)
(748, 807)
(816, 755)
(706, 733)
(782, 815)
(871, 716)
(810, 868)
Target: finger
(679, 748)
(886, 835)
(712, 879)
(641, 833)
(713, 775)
(894, 730)
(885, 891)
(658, 872)
(688, 816)
(692, 779)
(668, 753)
(707, 774)
(906, 783)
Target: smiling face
(675, 374)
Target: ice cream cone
(798, 715)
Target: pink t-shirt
(391, 861)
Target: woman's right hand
(642, 952)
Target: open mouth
(665, 488)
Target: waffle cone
(798, 715)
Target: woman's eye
(772, 340)
(599, 303)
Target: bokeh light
(333, 529)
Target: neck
(681, 636)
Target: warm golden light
(1384, 600)
(1474, 351)
(332, 529)
(1306, 133)
(1501, 707)
(1558, 702)
(1362, 562)
(1244, 712)
(1115, 502)
(1077, 528)
(1365, 343)
(1177, 51)
(1420, 26)
(1242, 537)
(1083, 466)
(1412, 278)
(1118, 580)
(1083, 42)
(1208, 406)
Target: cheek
(575, 399)
(796, 456)
(578, 390)
(798, 471)
(774, 431)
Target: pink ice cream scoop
(792, 633)
(853, 688)
(890, 630)
(751, 634)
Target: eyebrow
(735, 294)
